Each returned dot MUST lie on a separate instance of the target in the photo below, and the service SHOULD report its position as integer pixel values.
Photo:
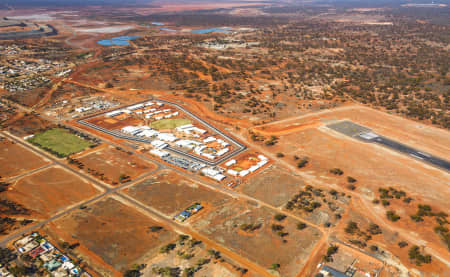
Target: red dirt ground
(117, 233)
(113, 163)
(49, 191)
(16, 160)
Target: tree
(275, 267)
(279, 217)
(302, 163)
(301, 226)
(336, 171)
(330, 252)
(167, 248)
(392, 216)
(352, 227)
(277, 227)
(132, 273)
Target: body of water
(117, 41)
(211, 30)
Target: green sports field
(60, 141)
(170, 123)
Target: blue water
(118, 41)
(158, 23)
(126, 37)
(205, 31)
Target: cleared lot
(252, 232)
(170, 193)
(113, 166)
(112, 233)
(49, 191)
(274, 186)
(16, 160)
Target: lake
(117, 41)
(205, 31)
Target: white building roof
(263, 158)
(114, 113)
(209, 139)
(219, 177)
(187, 143)
(262, 163)
(159, 153)
(167, 137)
(232, 172)
(230, 162)
(244, 173)
(130, 129)
(209, 156)
(159, 144)
(223, 151)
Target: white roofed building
(230, 162)
(167, 137)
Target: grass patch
(170, 123)
(60, 142)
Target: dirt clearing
(119, 234)
(49, 191)
(114, 166)
(170, 193)
(274, 185)
(16, 159)
(252, 232)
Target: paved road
(422, 156)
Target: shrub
(156, 228)
(277, 227)
(275, 266)
(417, 257)
(351, 179)
(407, 199)
(374, 229)
(416, 218)
(250, 227)
(302, 163)
(402, 244)
(385, 203)
(330, 252)
(167, 248)
(336, 171)
(351, 187)
(301, 226)
(279, 217)
(352, 227)
(392, 216)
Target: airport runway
(410, 151)
(365, 134)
